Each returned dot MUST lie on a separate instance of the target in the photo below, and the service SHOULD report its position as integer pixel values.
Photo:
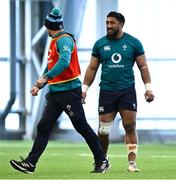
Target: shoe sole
(18, 168)
(109, 166)
(130, 170)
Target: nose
(108, 24)
(108, 27)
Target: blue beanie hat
(54, 20)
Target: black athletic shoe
(109, 164)
(23, 166)
(101, 166)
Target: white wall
(153, 22)
(4, 29)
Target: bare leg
(104, 138)
(129, 123)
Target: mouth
(109, 31)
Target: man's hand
(83, 97)
(34, 90)
(85, 87)
(149, 96)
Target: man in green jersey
(61, 75)
(117, 52)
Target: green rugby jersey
(117, 58)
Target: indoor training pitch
(74, 161)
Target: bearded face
(112, 33)
(114, 28)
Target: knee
(130, 127)
(105, 128)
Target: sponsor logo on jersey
(107, 48)
(116, 66)
(116, 59)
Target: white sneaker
(132, 167)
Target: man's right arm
(91, 71)
(90, 75)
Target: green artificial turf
(74, 161)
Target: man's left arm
(145, 75)
(65, 47)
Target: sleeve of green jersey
(64, 47)
(95, 50)
(45, 71)
(139, 50)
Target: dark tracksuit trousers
(70, 103)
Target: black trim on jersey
(138, 54)
(95, 55)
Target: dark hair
(117, 15)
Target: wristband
(85, 87)
(40, 87)
(37, 86)
(148, 87)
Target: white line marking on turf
(124, 156)
(110, 155)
